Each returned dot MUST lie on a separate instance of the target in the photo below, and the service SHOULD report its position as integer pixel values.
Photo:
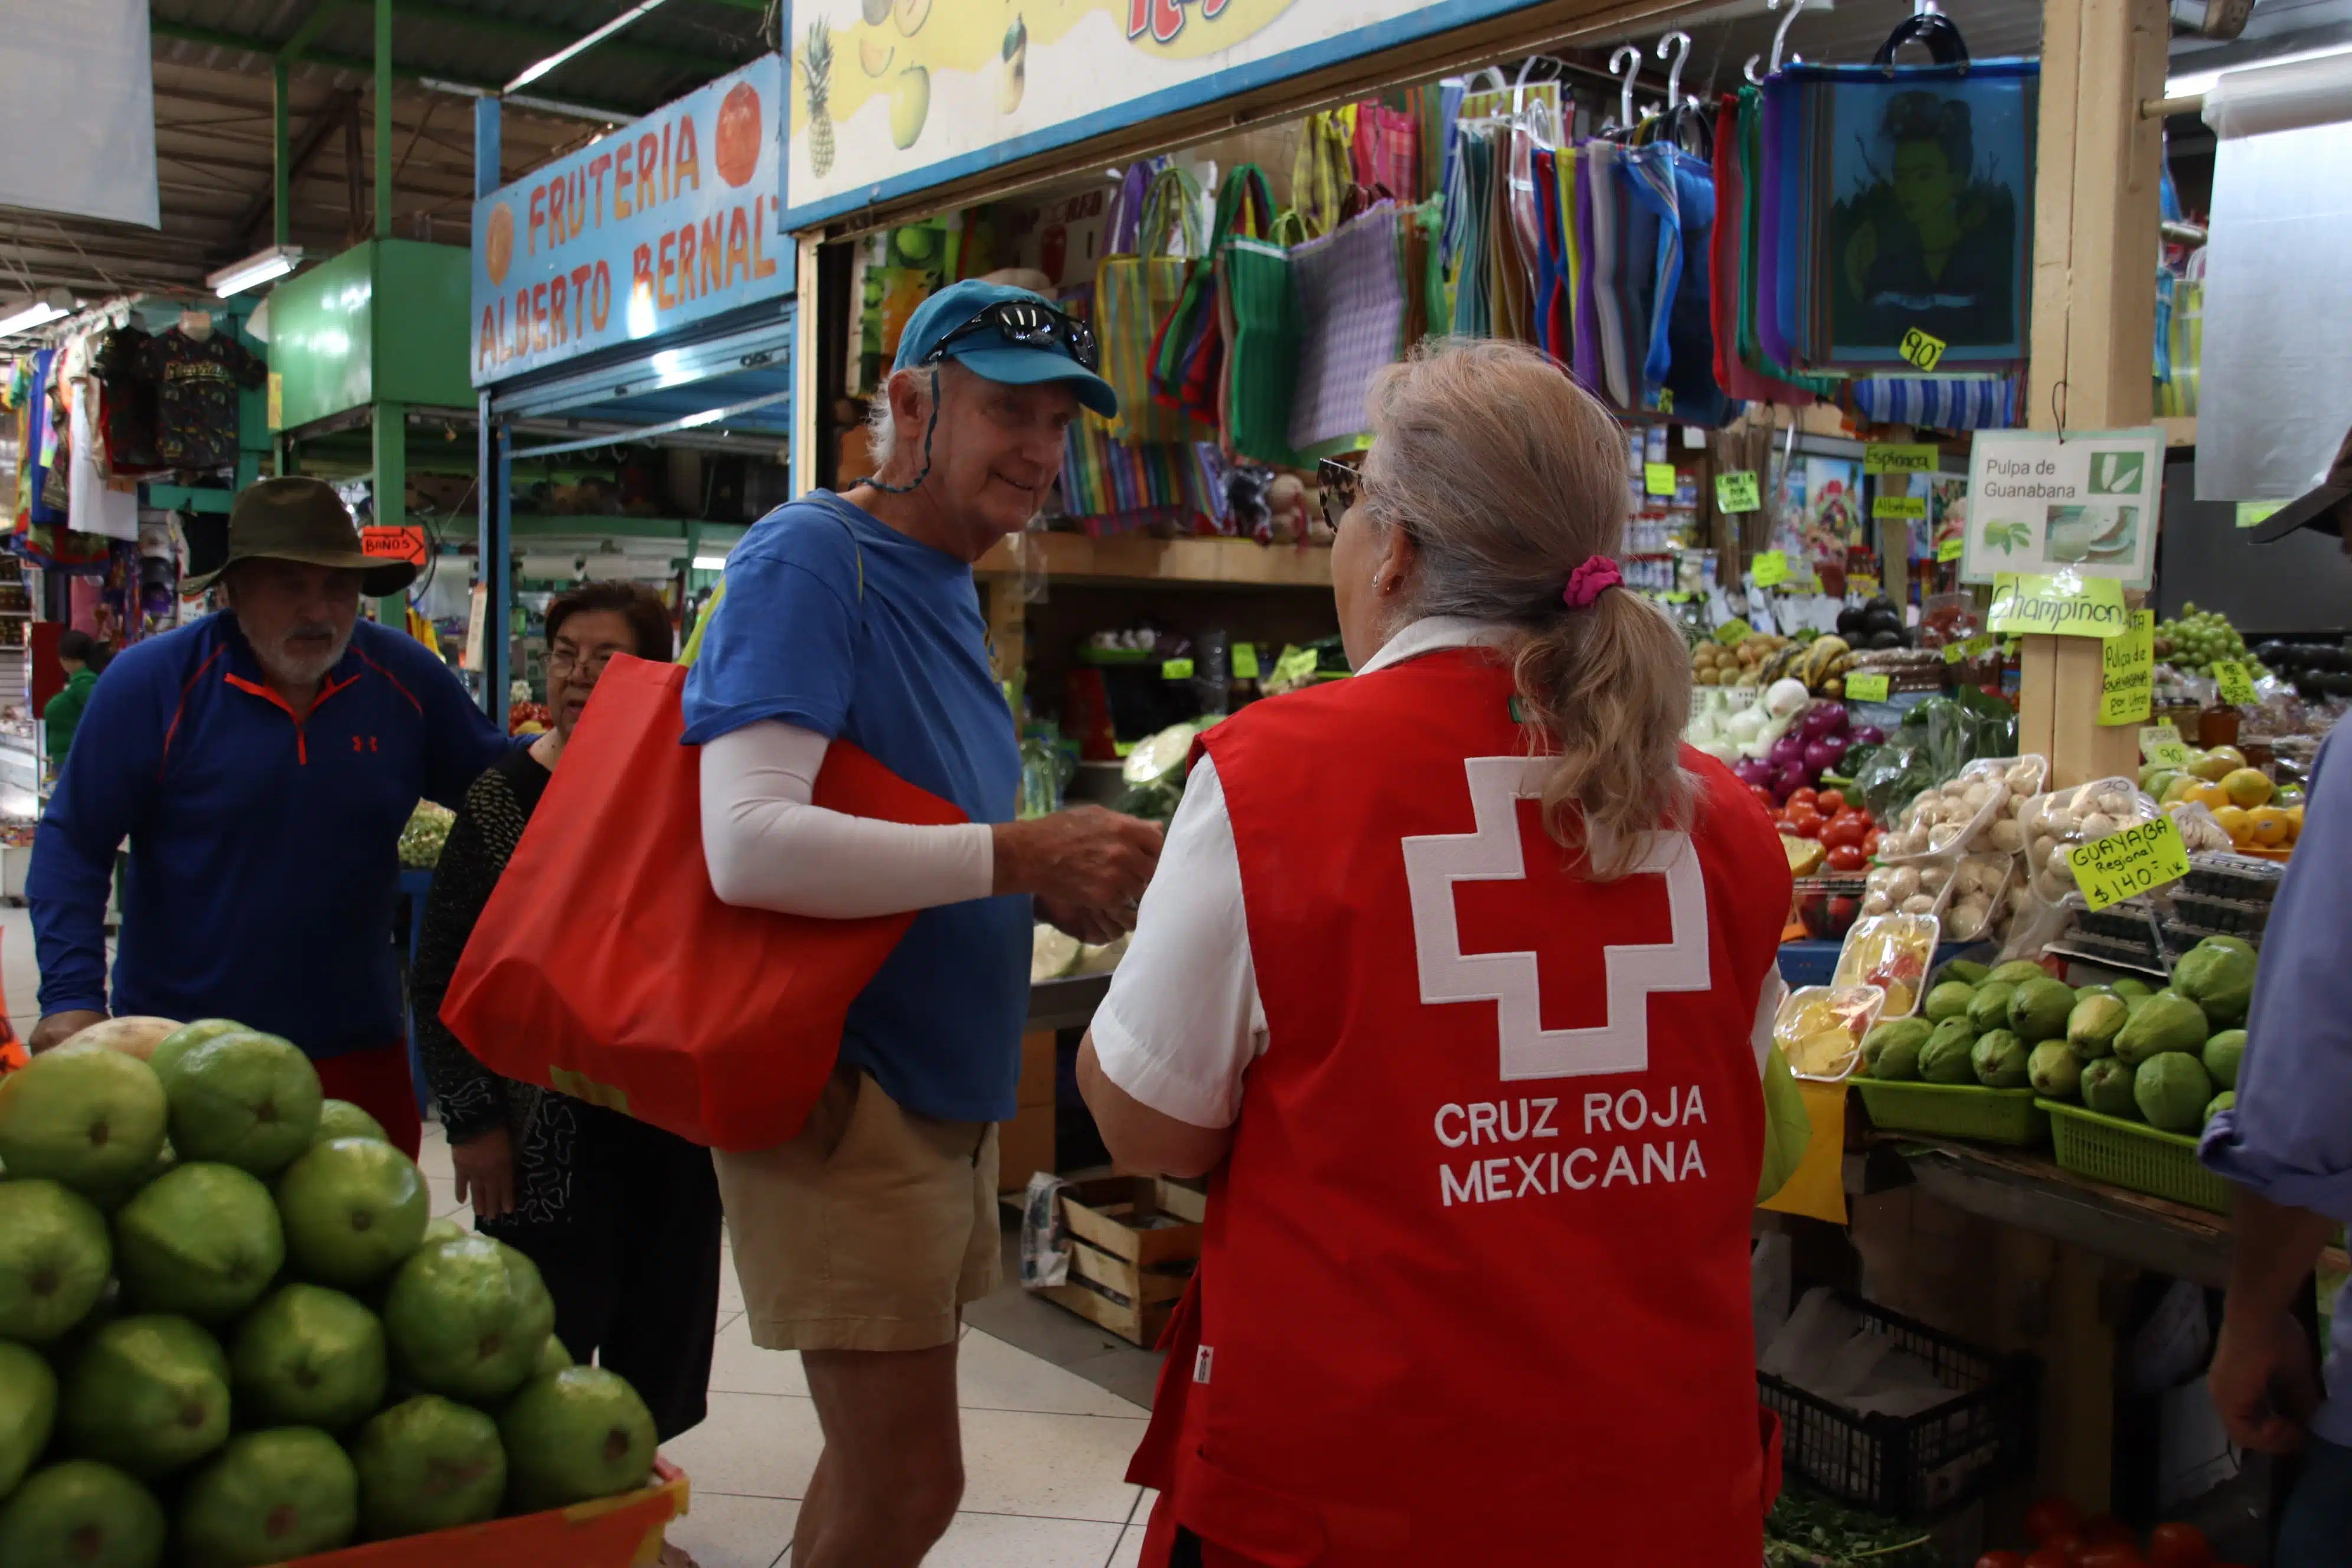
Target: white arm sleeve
(768, 848)
(1183, 1020)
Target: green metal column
(382, 131)
(391, 436)
(282, 157)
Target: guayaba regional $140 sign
(663, 222)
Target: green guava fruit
(80, 1514)
(270, 1497)
(246, 1099)
(29, 1411)
(574, 1434)
(425, 1464)
(355, 1209)
(203, 1240)
(55, 1256)
(83, 1115)
(468, 1318)
(307, 1356)
(149, 1394)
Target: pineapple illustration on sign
(816, 79)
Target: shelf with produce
(2180, 430)
(1135, 558)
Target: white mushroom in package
(1983, 802)
(2057, 822)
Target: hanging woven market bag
(1134, 294)
(1259, 306)
(1351, 315)
(604, 966)
(1388, 149)
(1188, 360)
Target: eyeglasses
(1340, 485)
(1026, 323)
(564, 660)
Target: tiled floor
(1045, 1448)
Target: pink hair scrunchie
(1590, 581)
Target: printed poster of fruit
(1818, 516)
(662, 222)
(894, 95)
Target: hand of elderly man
(59, 1027)
(1088, 925)
(1085, 857)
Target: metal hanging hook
(1781, 36)
(1680, 44)
(1625, 65)
(1748, 70)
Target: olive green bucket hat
(302, 519)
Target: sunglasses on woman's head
(1339, 485)
(1027, 324)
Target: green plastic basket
(2132, 1154)
(1956, 1110)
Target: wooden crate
(1125, 1272)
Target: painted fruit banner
(663, 222)
(891, 96)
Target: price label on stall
(1176, 669)
(1658, 478)
(1733, 632)
(1295, 665)
(2254, 513)
(1737, 492)
(1973, 648)
(1866, 688)
(2139, 859)
(1922, 348)
(1862, 584)
(2162, 745)
(1244, 662)
(1771, 568)
(1899, 509)
(2237, 685)
(1952, 549)
(2127, 681)
(1899, 457)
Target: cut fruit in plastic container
(1892, 953)
(1819, 1028)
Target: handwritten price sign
(1866, 687)
(1922, 348)
(2139, 859)
(2237, 685)
(1738, 492)
(2162, 745)
(1770, 568)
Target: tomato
(1765, 796)
(2069, 1541)
(2179, 1546)
(2110, 1554)
(2050, 1557)
(1808, 797)
(2048, 1517)
(1806, 827)
(1843, 829)
(1829, 802)
(2106, 1529)
(1870, 844)
(1847, 857)
(2001, 1560)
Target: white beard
(302, 670)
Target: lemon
(2248, 787)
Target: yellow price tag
(1244, 662)
(1866, 688)
(2127, 682)
(1903, 458)
(2140, 858)
(1951, 549)
(2254, 513)
(1922, 348)
(2162, 745)
(1771, 567)
(1295, 665)
(2237, 685)
(1176, 669)
(1863, 583)
(2064, 603)
(1899, 509)
(1659, 479)
(1973, 648)
(276, 400)
(1738, 492)
(1732, 631)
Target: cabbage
(1101, 960)
(1052, 953)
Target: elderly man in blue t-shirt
(854, 616)
(2287, 1144)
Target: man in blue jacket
(262, 763)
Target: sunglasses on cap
(1026, 324)
(1340, 485)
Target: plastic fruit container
(1819, 1028)
(1893, 953)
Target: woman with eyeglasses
(1457, 979)
(622, 1218)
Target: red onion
(1866, 735)
(1753, 771)
(1823, 719)
(1823, 754)
(1789, 748)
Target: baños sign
(663, 222)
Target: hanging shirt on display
(127, 413)
(96, 505)
(196, 402)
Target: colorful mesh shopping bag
(1134, 294)
(1188, 359)
(1260, 311)
(604, 966)
(1388, 149)
(1349, 299)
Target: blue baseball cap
(991, 357)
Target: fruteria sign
(891, 97)
(662, 222)
(2042, 501)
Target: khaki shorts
(867, 1231)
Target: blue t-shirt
(836, 623)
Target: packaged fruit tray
(1956, 1110)
(2235, 917)
(2232, 876)
(2133, 1156)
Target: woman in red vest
(1459, 976)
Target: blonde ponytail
(1507, 476)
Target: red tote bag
(604, 965)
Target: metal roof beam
(314, 135)
(321, 13)
(539, 34)
(215, 38)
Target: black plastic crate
(1915, 1466)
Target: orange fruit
(2249, 787)
(2235, 822)
(2211, 796)
(2269, 827)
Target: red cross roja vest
(1474, 1285)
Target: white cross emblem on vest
(1493, 852)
